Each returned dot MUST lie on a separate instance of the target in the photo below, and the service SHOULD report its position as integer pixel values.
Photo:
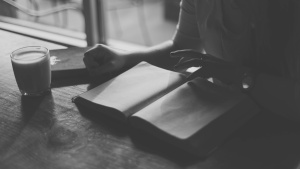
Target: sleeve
(187, 33)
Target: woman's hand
(227, 72)
(102, 60)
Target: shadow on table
(56, 83)
(150, 144)
(71, 81)
(31, 119)
(102, 122)
(29, 106)
(268, 139)
(142, 141)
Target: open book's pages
(129, 92)
(196, 116)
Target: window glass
(63, 17)
(136, 22)
(142, 22)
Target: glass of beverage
(32, 71)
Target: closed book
(68, 63)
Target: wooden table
(52, 132)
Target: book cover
(68, 63)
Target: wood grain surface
(52, 132)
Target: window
(121, 23)
(56, 20)
(141, 22)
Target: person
(230, 40)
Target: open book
(195, 116)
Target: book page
(135, 88)
(188, 109)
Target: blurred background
(121, 23)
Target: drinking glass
(32, 70)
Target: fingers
(90, 62)
(190, 53)
(101, 70)
(91, 55)
(188, 63)
(94, 61)
(210, 66)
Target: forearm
(279, 95)
(158, 55)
